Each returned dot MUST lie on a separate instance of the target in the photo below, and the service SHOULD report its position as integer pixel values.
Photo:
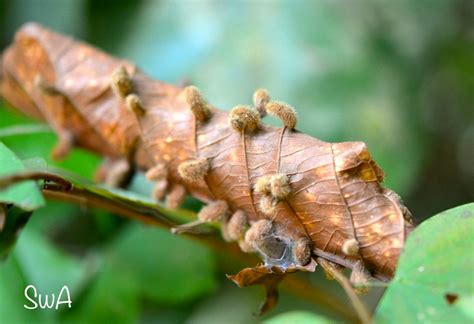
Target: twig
(24, 130)
(59, 188)
(334, 271)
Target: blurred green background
(398, 75)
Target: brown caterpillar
(288, 196)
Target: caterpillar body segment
(288, 196)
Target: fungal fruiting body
(288, 196)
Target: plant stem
(57, 187)
(334, 271)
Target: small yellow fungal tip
(258, 231)
(267, 205)
(214, 212)
(244, 118)
(302, 251)
(280, 188)
(193, 170)
(260, 99)
(134, 104)
(158, 172)
(236, 225)
(121, 82)
(284, 112)
(350, 247)
(196, 103)
(262, 186)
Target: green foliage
(369, 70)
(24, 195)
(36, 261)
(145, 263)
(17, 201)
(169, 269)
(438, 262)
(298, 317)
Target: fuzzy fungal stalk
(263, 185)
(360, 277)
(284, 112)
(236, 226)
(245, 246)
(216, 211)
(176, 195)
(302, 251)
(158, 172)
(350, 247)
(159, 190)
(134, 104)
(244, 118)
(279, 186)
(258, 231)
(267, 205)
(64, 146)
(261, 98)
(193, 170)
(199, 107)
(117, 173)
(121, 82)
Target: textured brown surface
(336, 191)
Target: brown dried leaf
(336, 192)
(269, 278)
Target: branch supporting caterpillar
(290, 197)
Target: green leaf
(25, 195)
(25, 145)
(37, 262)
(167, 268)
(16, 219)
(300, 317)
(12, 286)
(145, 263)
(45, 266)
(434, 279)
(113, 296)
